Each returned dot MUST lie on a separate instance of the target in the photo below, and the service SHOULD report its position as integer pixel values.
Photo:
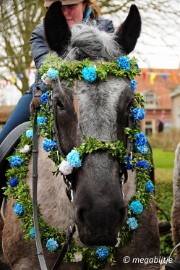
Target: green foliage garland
(72, 70)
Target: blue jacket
(39, 47)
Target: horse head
(98, 110)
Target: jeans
(20, 115)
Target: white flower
(78, 257)
(65, 167)
(25, 149)
(43, 77)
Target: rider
(75, 11)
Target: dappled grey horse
(99, 110)
(176, 210)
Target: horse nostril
(123, 214)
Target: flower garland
(54, 67)
(19, 190)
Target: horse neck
(176, 174)
(54, 203)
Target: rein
(40, 255)
(71, 230)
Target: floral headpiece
(54, 67)
(19, 190)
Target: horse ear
(57, 31)
(129, 31)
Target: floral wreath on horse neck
(19, 190)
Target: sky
(159, 43)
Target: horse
(175, 211)
(100, 111)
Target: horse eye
(60, 106)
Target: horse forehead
(98, 106)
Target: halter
(90, 145)
(68, 183)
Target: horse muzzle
(100, 227)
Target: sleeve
(38, 84)
(39, 47)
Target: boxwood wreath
(18, 189)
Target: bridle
(67, 180)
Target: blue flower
(149, 187)
(136, 207)
(32, 233)
(44, 98)
(52, 244)
(129, 165)
(133, 84)
(143, 164)
(140, 139)
(13, 182)
(89, 74)
(74, 159)
(52, 73)
(102, 253)
(124, 63)
(48, 145)
(18, 209)
(143, 149)
(138, 114)
(16, 161)
(29, 133)
(41, 120)
(132, 222)
(136, 65)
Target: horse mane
(90, 42)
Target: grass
(164, 192)
(164, 163)
(163, 159)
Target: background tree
(18, 18)
(160, 39)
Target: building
(9, 96)
(156, 85)
(5, 112)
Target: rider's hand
(35, 103)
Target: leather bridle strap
(40, 255)
(65, 248)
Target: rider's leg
(20, 115)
